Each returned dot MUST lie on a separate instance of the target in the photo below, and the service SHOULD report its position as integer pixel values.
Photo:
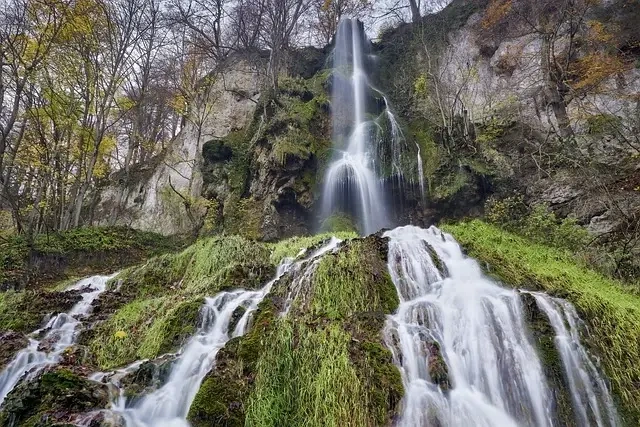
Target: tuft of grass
(324, 363)
(291, 247)
(611, 312)
(312, 382)
(350, 281)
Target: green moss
(612, 313)
(313, 381)
(290, 248)
(165, 295)
(355, 271)
(92, 249)
(323, 363)
(24, 311)
(51, 397)
(450, 184)
(339, 223)
(243, 216)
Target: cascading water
(60, 334)
(375, 146)
(169, 405)
(592, 404)
(451, 314)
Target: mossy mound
(52, 398)
(78, 252)
(323, 364)
(24, 311)
(153, 308)
(611, 313)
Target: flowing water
(454, 319)
(59, 334)
(375, 145)
(169, 405)
(592, 403)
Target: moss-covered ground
(79, 252)
(612, 313)
(323, 364)
(154, 307)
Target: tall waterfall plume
(371, 151)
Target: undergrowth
(165, 296)
(612, 312)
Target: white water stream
(169, 405)
(496, 378)
(592, 403)
(60, 334)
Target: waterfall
(59, 334)
(592, 403)
(370, 147)
(169, 405)
(462, 344)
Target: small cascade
(59, 334)
(169, 405)
(462, 344)
(370, 147)
(592, 402)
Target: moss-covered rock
(152, 309)
(10, 343)
(611, 313)
(24, 311)
(53, 397)
(78, 252)
(544, 341)
(321, 361)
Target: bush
(537, 223)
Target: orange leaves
(496, 12)
(594, 69)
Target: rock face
(156, 201)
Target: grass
(289, 248)
(321, 365)
(611, 312)
(165, 295)
(80, 251)
(311, 383)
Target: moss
(290, 248)
(323, 363)
(78, 252)
(243, 216)
(359, 271)
(162, 298)
(339, 223)
(24, 311)
(612, 313)
(51, 398)
(544, 342)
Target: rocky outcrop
(164, 197)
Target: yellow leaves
(496, 12)
(326, 5)
(420, 86)
(120, 335)
(598, 33)
(101, 169)
(594, 69)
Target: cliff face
(166, 196)
(475, 93)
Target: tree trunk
(554, 98)
(415, 11)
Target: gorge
(432, 228)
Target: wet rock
(56, 396)
(438, 370)
(11, 343)
(149, 376)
